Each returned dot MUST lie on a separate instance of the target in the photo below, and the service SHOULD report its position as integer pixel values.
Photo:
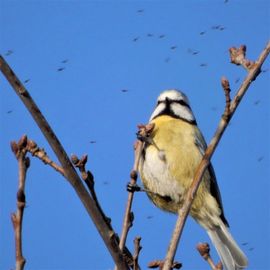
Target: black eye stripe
(181, 102)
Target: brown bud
(21, 196)
(74, 159)
(225, 83)
(90, 176)
(31, 144)
(27, 162)
(204, 250)
(84, 159)
(133, 175)
(176, 265)
(22, 142)
(243, 48)
(131, 217)
(14, 147)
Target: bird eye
(182, 102)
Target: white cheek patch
(160, 107)
(182, 111)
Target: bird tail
(232, 257)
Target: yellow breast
(169, 175)
(177, 139)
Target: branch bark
(17, 218)
(144, 131)
(108, 235)
(254, 70)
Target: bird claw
(133, 187)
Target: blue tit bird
(167, 167)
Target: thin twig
(144, 130)
(88, 178)
(137, 249)
(17, 218)
(238, 57)
(42, 155)
(183, 212)
(109, 236)
(226, 87)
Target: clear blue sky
(111, 47)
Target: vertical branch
(137, 249)
(128, 218)
(144, 131)
(17, 218)
(253, 71)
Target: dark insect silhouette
(135, 39)
(9, 52)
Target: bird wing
(214, 189)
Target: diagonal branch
(108, 235)
(184, 211)
(42, 155)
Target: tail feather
(232, 257)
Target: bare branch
(88, 178)
(238, 57)
(226, 87)
(137, 249)
(144, 130)
(183, 212)
(19, 149)
(42, 155)
(109, 237)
